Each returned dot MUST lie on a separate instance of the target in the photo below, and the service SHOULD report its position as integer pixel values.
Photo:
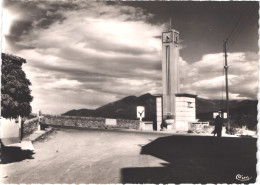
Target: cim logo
(242, 177)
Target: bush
(248, 120)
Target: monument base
(185, 112)
(169, 123)
(177, 125)
(146, 125)
(182, 126)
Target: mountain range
(125, 108)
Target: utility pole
(226, 74)
(170, 23)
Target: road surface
(93, 156)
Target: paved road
(89, 156)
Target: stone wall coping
(147, 122)
(31, 120)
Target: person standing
(218, 126)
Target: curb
(42, 135)
(165, 132)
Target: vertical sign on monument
(140, 112)
(170, 71)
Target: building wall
(185, 112)
(10, 128)
(159, 113)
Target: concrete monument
(175, 109)
(170, 72)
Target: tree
(15, 92)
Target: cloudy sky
(87, 54)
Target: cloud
(84, 55)
(206, 77)
(89, 51)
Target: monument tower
(170, 72)
(177, 110)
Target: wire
(238, 22)
(239, 30)
(232, 36)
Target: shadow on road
(194, 159)
(10, 154)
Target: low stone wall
(129, 124)
(202, 127)
(90, 122)
(29, 126)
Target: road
(92, 156)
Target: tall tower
(170, 71)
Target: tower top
(170, 27)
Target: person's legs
(214, 132)
(219, 133)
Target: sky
(86, 54)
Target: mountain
(241, 112)
(125, 108)
(206, 105)
(80, 112)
